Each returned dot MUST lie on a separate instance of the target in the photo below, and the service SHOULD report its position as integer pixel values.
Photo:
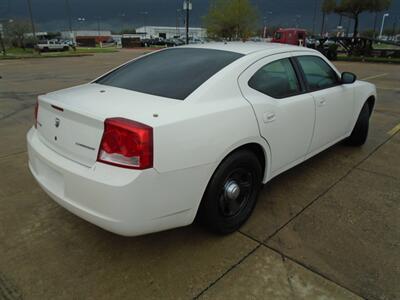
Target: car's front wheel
(232, 193)
(360, 131)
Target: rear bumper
(124, 201)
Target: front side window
(318, 74)
(277, 79)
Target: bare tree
(16, 32)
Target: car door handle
(321, 102)
(268, 117)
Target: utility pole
(298, 17)
(98, 26)
(266, 24)
(32, 23)
(323, 24)
(69, 15)
(98, 31)
(72, 35)
(187, 5)
(177, 17)
(3, 49)
(315, 16)
(375, 21)
(348, 26)
(394, 29)
(145, 14)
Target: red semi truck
(291, 36)
(298, 37)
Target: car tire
(232, 193)
(360, 131)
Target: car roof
(247, 47)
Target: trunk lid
(71, 121)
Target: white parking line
(394, 130)
(375, 76)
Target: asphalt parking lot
(327, 229)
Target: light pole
(383, 24)
(187, 5)
(81, 20)
(72, 35)
(145, 14)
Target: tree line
(239, 19)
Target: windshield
(172, 73)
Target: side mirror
(348, 78)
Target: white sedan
(191, 132)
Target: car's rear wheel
(360, 131)
(232, 193)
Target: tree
(353, 9)
(328, 6)
(231, 19)
(16, 32)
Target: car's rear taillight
(36, 113)
(127, 144)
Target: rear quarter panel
(205, 134)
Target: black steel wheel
(232, 193)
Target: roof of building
(168, 28)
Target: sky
(51, 15)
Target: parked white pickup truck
(52, 45)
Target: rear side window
(318, 74)
(172, 73)
(277, 79)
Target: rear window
(172, 73)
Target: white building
(170, 32)
(39, 34)
(91, 33)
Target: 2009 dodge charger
(191, 131)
